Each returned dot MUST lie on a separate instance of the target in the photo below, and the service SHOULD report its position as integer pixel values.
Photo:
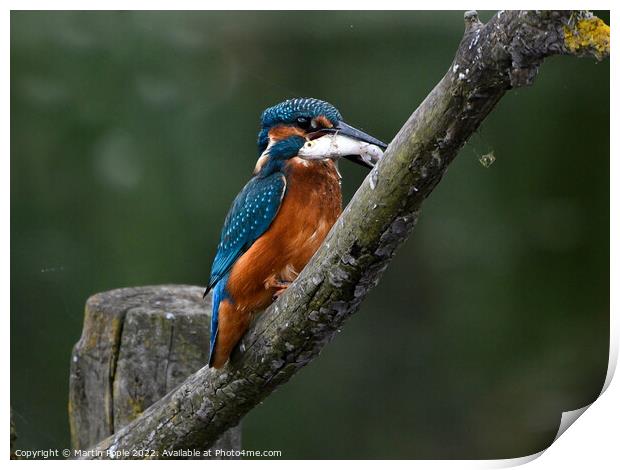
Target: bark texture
(491, 59)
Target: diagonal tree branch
(492, 58)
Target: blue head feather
(280, 152)
(288, 111)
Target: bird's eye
(303, 122)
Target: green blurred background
(131, 132)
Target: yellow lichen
(588, 35)
(136, 407)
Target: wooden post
(137, 345)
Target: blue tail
(219, 294)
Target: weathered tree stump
(137, 345)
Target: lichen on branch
(587, 35)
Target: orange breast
(311, 205)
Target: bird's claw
(281, 287)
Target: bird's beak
(346, 141)
(344, 129)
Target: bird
(280, 217)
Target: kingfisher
(283, 214)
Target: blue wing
(251, 214)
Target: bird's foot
(280, 286)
